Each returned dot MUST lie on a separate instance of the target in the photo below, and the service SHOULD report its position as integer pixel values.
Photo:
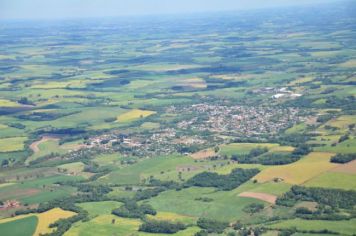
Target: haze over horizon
(57, 9)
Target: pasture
(332, 179)
(224, 205)
(342, 227)
(35, 224)
(99, 208)
(243, 148)
(25, 226)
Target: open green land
(22, 227)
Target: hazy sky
(98, 8)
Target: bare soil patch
(260, 196)
(204, 154)
(18, 193)
(34, 146)
(348, 168)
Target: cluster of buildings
(247, 121)
(200, 125)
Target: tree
(5, 163)
(212, 226)
(24, 101)
(162, 227)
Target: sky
(33, 9)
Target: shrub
(343, 158)
(212, 226)
(253, 208)
(162, 227)
(223, 182)
(132, 210)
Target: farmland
(236, 123)
(297, 173)
(34, 224)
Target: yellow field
(282, 149)
(3, 126)
(5, 57)
(224, 170)
(14, 218)
(234, 76)
(8, 103)
(349, 64)
(134, 115)
(324, 53)
(301, 171)
(164, 67)
(44, 219)
(243, 148)
(342, 122)
(49, 217)
(59, 85)
(194, 83)
(6, 184)
(102, 225)
(172, 217)
(12, 144)
(75, 168)
(301, 80)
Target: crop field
(12, 144)
(47, 218)
(174, 217)
(37, 191)
(21, 227)
(333, 179)
(244, 148)
(347, 168)
(8, 103)
(301, 171)
(134, 115)
(103, 225)
(35, 224)
(159, 167)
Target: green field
(225, 205)
(334, 180)
(342, 227)
(22, 227)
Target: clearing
(35, 145)
(260, 196)
(204, 154)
